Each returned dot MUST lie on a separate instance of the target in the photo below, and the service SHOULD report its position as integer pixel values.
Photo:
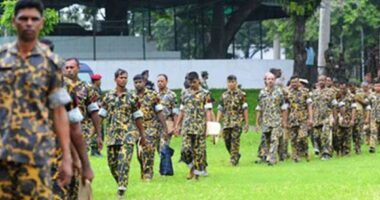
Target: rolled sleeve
(284, 106)
(208, 106)
(75, 116)
(103, 112)
(158, 108)
(59, 97)
(137, 114)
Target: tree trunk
(299, 46)
(223, 33)
(116, 18)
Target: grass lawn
(352, 177)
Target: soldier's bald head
(268, 75)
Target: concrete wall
(249, 72)
(107, 47)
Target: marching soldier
(346, 121)
(195, 111)
(300, 117)
(149, 104)
(233, 106)
(324, 113)
(119, 108)
(88, 102)
(32, 111)
(271, 117)
(372, 116)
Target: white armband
(208, 106)
(181, 107)
(368, 107)
(59, 97)
(175, 111)
(341, 104)
(334, 102)
(75, 116)
(92, 107)
(245, 106)
(158, 108)
(354, 105)
(103, 112)
(258, 108)
(284, 106)
(137, 114)
(309, 101)
(220, 108)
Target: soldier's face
(122, 80)
(295, 83)
(231, 85)
(376, 87)
(28, 23)
(321, 81)
(162, 82)
(269, 81)
(194, 84)
(71, 69)
(139, 84)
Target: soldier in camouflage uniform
(78, 147)
(96, 85)
(88, 102)
(170, 108)
(346, 120)
(119, 109)
(300, 117)
(363, 93)
(373, 116)
(195, 111)
(32, 100)
(358, 129)
(149, 104)
(233, 106)
(271, 117)
(324, 112)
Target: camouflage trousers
(375, 129)
(283, 143)
(270, 142)
(323, 139)
(357, 136)
(232, 141)
(146, 153)
(24, 181)
(193, 152)
(119, 162)
(88, 135)
(298, 137)
(342, 140)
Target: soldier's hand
(99, 142)
(65, 171)
(142, 141)
(87, 174)
(257, 128)
(366, 121)
(246, 128)
(177, 131)
(310, 123)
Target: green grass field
(352, 177)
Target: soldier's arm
(367, 114)
(93, 109)
(245, 112)
(80, 147)
(219, 116)
(310, 111)
(158, 108)
(175, 109)
(353, 113)
(208, 106)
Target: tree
(50, 15)
(222, 31)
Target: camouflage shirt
(120, 112)
(150, 105)
(88, 99)
(298, 100)
(169, 102)
(75, 115)
(194, 105)
(233, 104)
(324, 100)
(30, 88)
(374, 106)
(271, 104)
(345, 106)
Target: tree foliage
(50, 15)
